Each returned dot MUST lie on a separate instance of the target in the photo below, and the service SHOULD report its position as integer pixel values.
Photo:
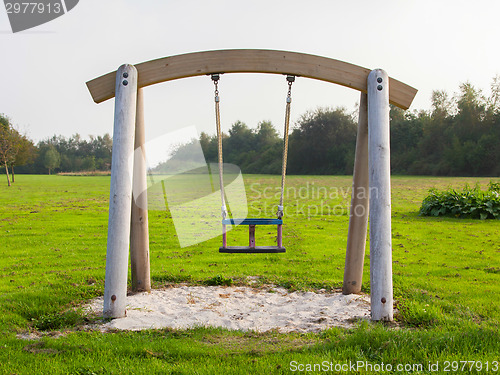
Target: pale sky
(428, 44)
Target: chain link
(216, 84)
(291, 80)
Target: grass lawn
(52, 259)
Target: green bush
(468, 203)
(219, 280)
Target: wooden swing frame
(371, 168)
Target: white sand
(238, 308)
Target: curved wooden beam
(251, 61)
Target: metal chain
(215, 78)
(290, 80)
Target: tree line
(20, 154)
(458, 136)
(320, 143)
(74, 154)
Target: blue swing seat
(252, 249)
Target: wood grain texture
(251, 61)
(120, 197)
(139, 225)
(358, 213)
(379, 171)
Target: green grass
(52, 259)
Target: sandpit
(238, 308)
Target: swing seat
(251, 248)
(252, 222)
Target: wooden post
(380, 196)
(279, 236)
(251, 236)
(358, 218)
(120, 202)
(139, 230)
(224, 236)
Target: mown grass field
(52, 260)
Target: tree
(268, 150)
(442, 105)
(406, 132)
(8, 144)
(240, 140)
(471, 103)
(101, 147)
(26, 153)
(494, 99)
(89, 163)
(266, 135)
(323, 142)
(51, 158)
(209, 146)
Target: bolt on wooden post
(380, 196)
(120, 202)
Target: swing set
(128, 218)
(252, 223)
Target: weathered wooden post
(380, 196)
(139, 228)
(358, 217)
(120, 202)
